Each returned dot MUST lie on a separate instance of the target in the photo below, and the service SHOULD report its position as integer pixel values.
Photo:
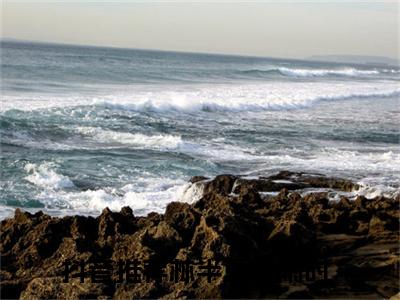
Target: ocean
(84, 128)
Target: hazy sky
(269, 28)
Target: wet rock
(315, 180)
(318, 198)
(253, 237)
(282, 196)
(182, 217)
(195, 179)
(54, 288)
(164, 239)
(333, 183)
(360, 202)
(250, 197)
(266, 185)
(344, 204)
(360, 214)
(222, 184)
(376, 226)
(132, 291)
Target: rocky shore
(238, 240)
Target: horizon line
(308, 58)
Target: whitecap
(151, 198)
(45, 176)
(217, 97)
(352, 72)
(158, 141)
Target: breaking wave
(159, 141)
(352, 72)
(316, 72)
(222, 97)
(250, 97)
(45, 176)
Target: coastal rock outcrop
(244, 238)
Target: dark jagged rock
(266, 185)
(222, 184)
(182, 217)
(195, 179)
(315, 180)
(259, 241)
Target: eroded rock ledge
(258, 240)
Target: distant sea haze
(83, 128)
(357, 59)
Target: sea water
(84, 128)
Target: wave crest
(351, 72)
(304, 72)
(44, 176)
(276, 96)
(158, 141)
(218, 97)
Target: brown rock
(253, 237)
(182, 217)
(221, 184)
(195, 179)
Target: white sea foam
(170, 143)
(372, 191)
(153, 196)
(157, 141)
(193, 192)
(335, 161)
(392, 71)
(376, 170)
(365, 189)
(6, 212)
(251, 97)
(44, 176)
(149, 193)
(352, 72)
(218, 97)
(95, 138)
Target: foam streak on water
(85, 128)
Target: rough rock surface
(264, 245)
